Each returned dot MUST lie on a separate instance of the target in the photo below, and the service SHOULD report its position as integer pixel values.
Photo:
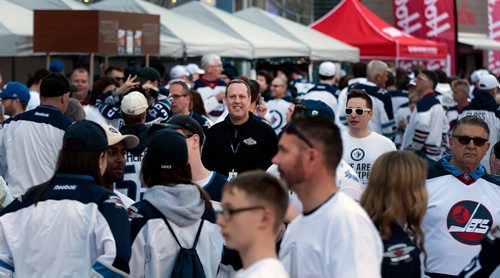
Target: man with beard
(240, 142)
(118, 143)
(334, 237)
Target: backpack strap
(175, 237)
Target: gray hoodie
(181, 203)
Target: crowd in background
(379, 171)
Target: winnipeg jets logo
(468, 222)
(357, 154)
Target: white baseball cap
(134, 103)
(327, 69)
(178, 72)
(115, 137)
(193, 68)
(474, 77)
(488, 81)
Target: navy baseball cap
(315, 108)
(188, 123)
(16, 90)
(85, 136)
(55, 85)
(168, 149)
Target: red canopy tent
(353, 23)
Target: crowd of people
(380, 172)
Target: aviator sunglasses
(465, 140)
(358, 111)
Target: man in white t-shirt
(361, 145)
(253, 207)
(333, 237)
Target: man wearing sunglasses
(484, 105)
(362, 146)
(463, 200)
(333, 237)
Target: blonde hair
(396, 191)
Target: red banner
(494, 34)
(430, 19)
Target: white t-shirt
(34, 100)
(361, 153)
(265, 268)
(277, 113)
(338, 239)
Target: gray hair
(209, 60)
(375, 67)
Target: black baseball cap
(85, 136)
(168, 149)
(188, 123)
(148, 74)
(55, 85)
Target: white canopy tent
(50, 4)
(181, 35)
(16, 30)
(321, 47)
(265, 43)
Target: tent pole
(106, 61)
(91, 70)
(310, 71)
(47, 60)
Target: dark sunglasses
(118, 79)
(465, 140)
(358, 111)
(292, 129)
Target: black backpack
(187, 264)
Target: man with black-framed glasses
(333, 237)
(362, 146)
(253, 207)
(463, 200)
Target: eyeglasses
(177, 96)
(358, 111)
(465, 140)
(228, 213)
(291, 128)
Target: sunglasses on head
(358, 111)
(465, 140)
(292, 129)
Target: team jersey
(301, 85)
(213, 184)
(159, 112)
(77, 229)
(401, 256)
(325, 93)
(398, 98)
(427, 130)
(278, 108)
(131, 183)
(361, 153)
(402, 115)
(461, 210)
(338, 239)
(208, 91)
(485, 107)
(29, 147)
(204, 123)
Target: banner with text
(429, 19)
(494, 34)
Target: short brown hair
(260, 186)
(355, 93)
(238, 81)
